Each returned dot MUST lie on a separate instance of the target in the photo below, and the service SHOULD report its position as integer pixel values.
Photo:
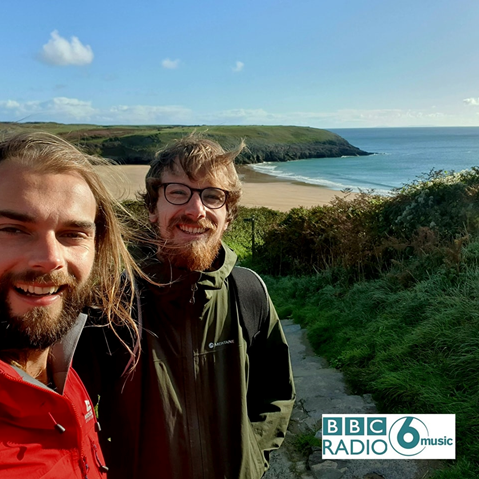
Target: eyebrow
(24, 218)
(13, 215)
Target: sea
(399, 156)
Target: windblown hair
(111, 293)
(198, 158)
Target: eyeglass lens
(179, 194)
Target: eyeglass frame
(193, 190)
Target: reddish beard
(195, 255)
(39, 328)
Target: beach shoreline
(259, 189)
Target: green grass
(138, 144)
(239, 235)
(273, 134)
(304, 443)
(414, 347)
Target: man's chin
(52, 311)
(193, 256)
(39, 327)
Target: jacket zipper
(194, 288)
(191, 320)
(101, 466)
(86, 467)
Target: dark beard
(197, 255)
(37, 329)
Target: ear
(226, 226)
(153, 216)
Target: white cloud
(72, 110)
(239, 66)
(59, 51)
(10, 104)
(60, 109)
(345, 118)
(471, 101)
(77, 109)
(146, 114)
(170, 64)
(242, 116)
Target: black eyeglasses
(179, 194)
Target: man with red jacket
(60, 249)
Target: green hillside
(138, 144)
(388, 289)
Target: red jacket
(48, 434)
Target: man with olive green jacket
(209, 397)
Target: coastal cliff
(138, 144)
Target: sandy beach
(265, 190)
(258, 189)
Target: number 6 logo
(405, 436)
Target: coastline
(259, 189)
(280, 194)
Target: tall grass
(415, 347)
(388, 289)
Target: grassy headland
(138, 144)
(388, 289)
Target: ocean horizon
(399, 156)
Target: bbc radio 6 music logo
(389, 436)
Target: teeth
(39, 290)
(192, 230)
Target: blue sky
(325, 64)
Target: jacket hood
(215, 279)
(173, 277)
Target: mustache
(55, 278)
(201, 223)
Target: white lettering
(354, 426)
(377, 431)
(332, 427)
(221, 343)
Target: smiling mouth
(35, 290)
(192, 230)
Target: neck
(34, 362)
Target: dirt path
(322, 390)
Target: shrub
(363, 236)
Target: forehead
(203, 178)
(43, 196)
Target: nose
(46, 254)
(195, 207)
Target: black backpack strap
(251, 296)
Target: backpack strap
(251, 297)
